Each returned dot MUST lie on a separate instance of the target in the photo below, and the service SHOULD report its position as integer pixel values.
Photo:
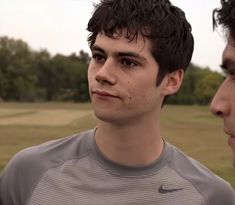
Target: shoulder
(60, 149)
(213, 188)
(28, 165)
(63, 149)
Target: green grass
(191, 128)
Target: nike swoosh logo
(164, 191)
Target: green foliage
(16, 72)
(27, 75)
(207, 86)
(199, 86)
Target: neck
(131, 145)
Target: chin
(110, 118)
(106, 117)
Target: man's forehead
(131, 35)
(140, 41)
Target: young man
(223, 104)
(140, 49)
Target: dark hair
(158, 20)
(225, 16)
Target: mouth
(231, 139)
(229, 134)
(103, 94)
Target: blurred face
(223, 103)
(122, 80)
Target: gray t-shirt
(72, 171)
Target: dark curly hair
(162, 23)
(225, 16)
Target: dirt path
(55, 117)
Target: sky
(60, 26)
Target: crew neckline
(130, 171)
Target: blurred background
(44, 58)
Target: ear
(172, 82)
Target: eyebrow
(120, 54)
(97, 48)
(228, 64)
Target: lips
(229, 134)
(231, 139)
(104, 94)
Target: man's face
(122, 80)
(223, 103)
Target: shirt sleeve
(19, 177)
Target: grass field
(191, 128)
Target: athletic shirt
(72, 171)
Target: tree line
(29, 75)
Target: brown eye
(128, 63)
(98, 58)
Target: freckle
(128, 82)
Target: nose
(106, 74)
(220, 103)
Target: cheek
(90, 75)
(141, 93)
(233, 109)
